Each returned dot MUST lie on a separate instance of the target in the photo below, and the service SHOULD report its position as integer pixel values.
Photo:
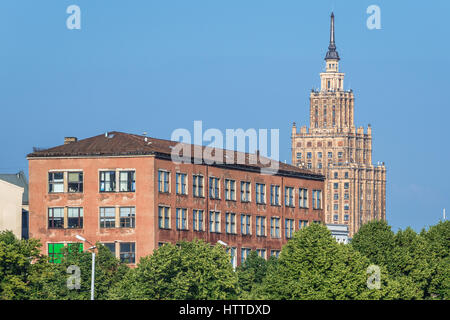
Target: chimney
(68, 140)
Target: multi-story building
(125, 191)
(355, 189)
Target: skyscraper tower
(355, 189)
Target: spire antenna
(332, 53)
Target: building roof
(124, 144)
(19, 179)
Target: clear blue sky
(158, 65)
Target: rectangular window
(302, 223)
(127, 252)
(260, 193)
(260, 226)
(317, 199)
(299, 155)
(275, 227)
(198, 218)
(340, 155)
(346, 217)
(55, 218)
(275, 195)
(346, 207)
(182, 219)
(214, 188)
(181, 183)
(164, 217)
(245, 224)
(244, 254)
(335, 186)
(346, 196)
(107, 181)
(289, 228)
(245, 191)
(107, 217)
(232, 252)
(336, 207)
(275, 253)
(261, 253)
(335, 217)
(230, 223)
(197, 185)
(214, 221)
(111, 246)
(230, 190)
(163, 181)
(346, 185)
(289, 196)
(336, 196)
(55, 252)
(55, 182)
(127, 217)
(75, 182)
(319, 155)
(346, 175)
(127, 181)
(330, 155)
(303, 198)
(75, 218)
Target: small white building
(11, 208)
(339, 231)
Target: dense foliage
(312, 265)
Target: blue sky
(158, 65)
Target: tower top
(332, 54)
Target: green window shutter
(54, 252)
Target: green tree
(16, 257)
(189, 270)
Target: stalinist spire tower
(355, 189)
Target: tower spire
(332, 53)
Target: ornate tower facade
(355, 189)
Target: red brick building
(124, 191)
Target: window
(340, 155)
(75, 182)
(346, 175)
(107, 217)
(197, 185)
(275, 253)
(330, 155)
(163, 181)
(54, 252)
(345, 217)
(260, 193)
(335, 175)
(346, 207)
(275, 227)
(181, 183)
(319, 165)
(346, 185)
(214, 188)
(198, 220)
(336, 196)
(230, 223)
(302, 223)
(261, 253)
(127, 181)
(56, 182)
(230, 190)
(244, 254)
(317, 199)
(309, 155)
(214, 221)
(233, 257)
(289, 228)
(319, 155)
(309, 166)
(289, 196)
(260, 226)
(55, 218)
(164, 217)
(335, 185)
(127, 217)
(346, 196)
(107, 181)
(275, 195)
(74, 218)
(336, 206)
(111, 246)
(127, 252)
(181, 216)
(245, 224)
(299, 155)
(335, 217)
(245, 191)
(303, 198)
